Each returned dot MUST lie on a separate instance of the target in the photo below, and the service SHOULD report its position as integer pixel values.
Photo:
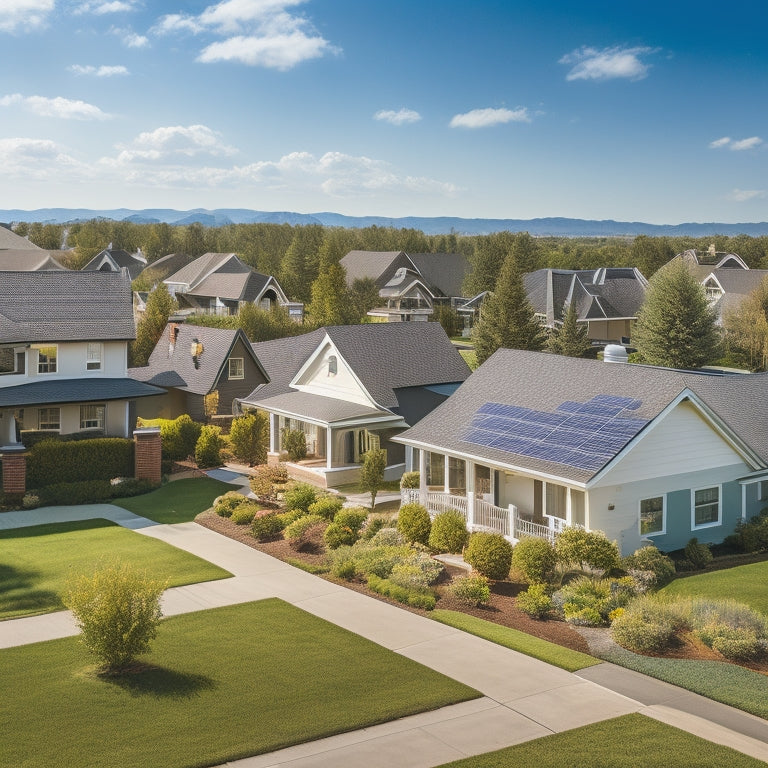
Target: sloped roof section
(10, 240)
(376, 265)
(27, 260)
(65, 306)
(74, 391)
(197, 270)
(444, 273)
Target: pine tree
(507, 318)
(676, 327)
(330, 304)
(150, 328)
(571, 337)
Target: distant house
(353, 388)
(219, 284)
(727, 288)
(607, 299)
(63, 354)
(535, 442)
(115, 259)
(704, 262)
(410, 284)
(27, 260)
(204, 372)
(10, 241)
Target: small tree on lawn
(372, 472)
(249, 437)
(118, 612)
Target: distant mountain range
(431, 225)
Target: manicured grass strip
(632, 741)
(176, 502)
(226, 683)
(728, 683)
(35, 562)
(565, 658)
(308, 567)
(745, 583)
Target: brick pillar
(14, 473)
(148, 461)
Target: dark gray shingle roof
(328, 409)
(85, 390)
(65, 306)
(444, 273)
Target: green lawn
(176, 502)
(225, 683)
(745, 583)
(35, 562)
(552, 653)
(632, 741)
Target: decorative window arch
(333, 365)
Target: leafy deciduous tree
(746, 329)
(160, 305)
(372, 472)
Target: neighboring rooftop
(9, 240)
(27, 260)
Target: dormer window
(333, 365)
(236, 368)
(93, 356)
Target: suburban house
(607, 299)
(727, 288)
(17, 254)
(114, 259)
(203, 372)
(64, 354)
(703, 262)
(353, 388)
(410, 284)
(219, 284)
(535, 442)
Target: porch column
(408, 458)
(744, 501)
(328, 447)
(446, 474)
(469, 482)
(274, 433)
(423, 475)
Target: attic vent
(615, 353)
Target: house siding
(342, 385)
(231, 389)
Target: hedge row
(54, 461)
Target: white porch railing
(440, 502)
(490, 517)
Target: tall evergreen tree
(676, 327)
(150, 328)
(301, 262)
(330, 303)
(571, 337)
(507, 318)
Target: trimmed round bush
(387, 537)
(208, 447)
(224, 505)
(266, 525)
(326, 507)
(697, 554)
(295, 444)
(490, 554)
(471, 590)
(448, 532)
(650, 560)
(244, 513)
(300, 496)
(587, 549)
(299, 527)
(414, 523)
(410, 480)
(345, 528)
(739, 644)
(534, 558)
(535, 601)
(352, 517)
(636, 633)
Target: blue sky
(641, 111)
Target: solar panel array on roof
(583, 435)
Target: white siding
(683, 442)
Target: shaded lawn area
(226, 683)
(745, 583)
(632, 741)
(35, 562)
(554, 654)
(176, 502)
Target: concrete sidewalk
(523, 698)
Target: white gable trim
(281, 297)
(747, 455)
(415, 282)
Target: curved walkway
(523, 698)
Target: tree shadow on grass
(18, 597)
(158, 682)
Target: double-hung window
(46, 359)
(236, 368)
(92, 417)
(49, 419)
(652, 516)
(706, 507)
(93, 356)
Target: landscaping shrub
(376, 523)
(208, 447)
(244, 513)
(387, 537)
(751, 535)
(56, 461)
(414, 523)
(223, 505)
(590, 549)
(266, 525)
(286, 518)
(410, 480)
(295, 444)
(632, 631)
(307, 533)
(300, 496)
(471, 590)
(650, 560)
(535, 601)
(326, 507)
(345, 528)
(117, 610)
(697, 555)
(268, 480)
(298, 528)
(587, 601)
(352, 517)
(739, 644)
(489, 554)
(534, 558)
(343, 563)
(414, 598)
(249, 437)
(372, 472)
(91, 491)
(179, 436)
(448, 532)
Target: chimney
(173, 334)
(615, 353)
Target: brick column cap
(146, 431)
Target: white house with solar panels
(535, 442)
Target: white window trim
(48, 429)
(103, 416)
(230, 376)
(663, 530)
(99, 360)
(719, 521)
(39, 350)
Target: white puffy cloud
(736, 145)
(743, 195)
(68, 109)
(23, 15)
(175, 141)
(257, 32)
(103, 7)
(103, 71)
(40, 159)
(129, 38)
(483, 118)
(607, 63)
(399, 117)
